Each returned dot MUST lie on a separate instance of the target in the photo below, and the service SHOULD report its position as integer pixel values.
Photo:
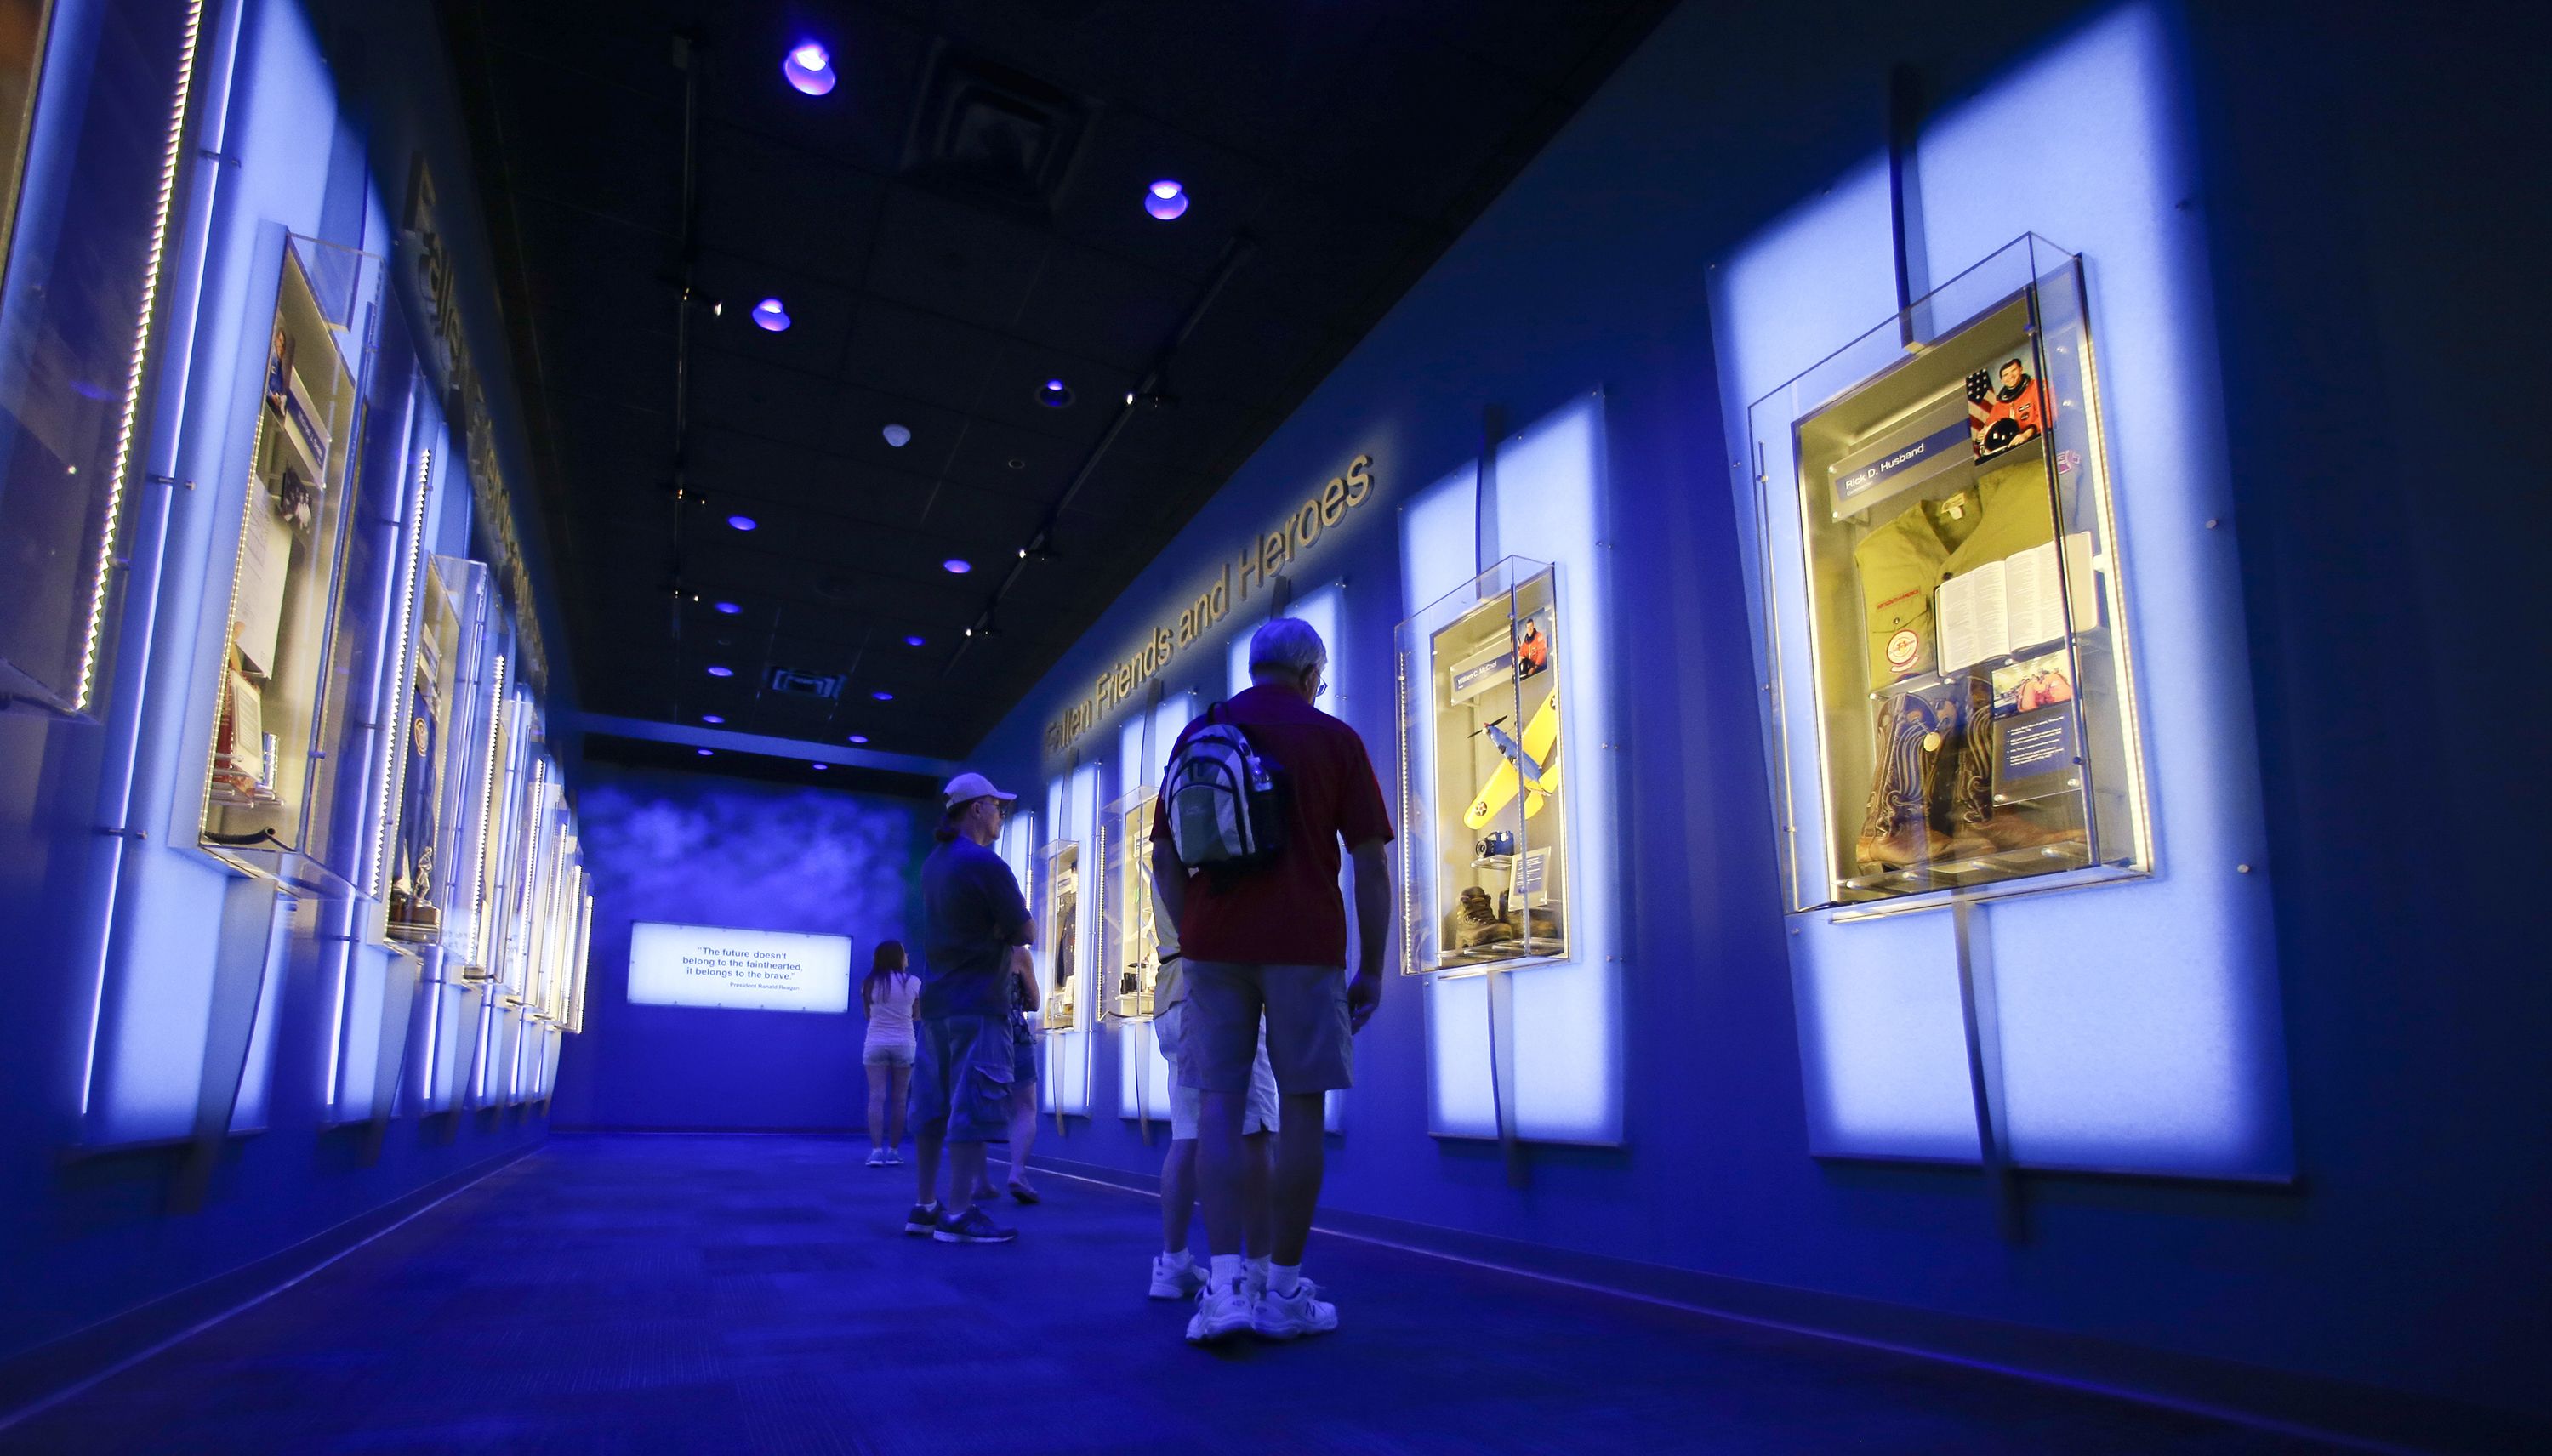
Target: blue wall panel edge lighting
(2393, 977)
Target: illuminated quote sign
(744, 969)
(1254, 568)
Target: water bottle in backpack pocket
(1225, 799)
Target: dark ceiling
(959, 221)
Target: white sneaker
(1257, 1278)
(1175, 1282)
(876, 1157)
(893, 1158)
(1278, 1316)
(1222, 1313)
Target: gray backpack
(1225, 799)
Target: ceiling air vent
(824, 685)
(998, 133)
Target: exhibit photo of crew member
(2005, 408)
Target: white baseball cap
(973, 785)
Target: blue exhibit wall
(701, 849)
(2360, 245)
(111, 1242)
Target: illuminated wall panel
(1549, 503)
(2138, 1024)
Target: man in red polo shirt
(1273, 941)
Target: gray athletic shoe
(974, 1226)
(925, 1218)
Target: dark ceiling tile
(982, 515)
(785, 208)
(868, 493)
(1004, 461)
(1539, 41)
(604, 440)
(626, 43)
(1419, 131)
(590, 144)
(1094, 305)
(759, 397)
(581, 258)
(907, 354)
(726, 462)
(953, 259)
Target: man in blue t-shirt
(974, 936)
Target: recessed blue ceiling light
(820, 768)
(897, 435)
(711, 718)
(1054, 394)
(956, 566)
(716, 671)
(913, 642)
(1165, 199)
(882, 695)
(859, 738)
(728, 609)
(742, 523)
(810, 68)
(772, 315)
(703, 752)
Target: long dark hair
(886, 960)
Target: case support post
(1984, 1064)
(1502, 1079)
(1905, 197)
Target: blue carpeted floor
(754, 1295)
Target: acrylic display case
(1952, 708)
(89, 168)
(1058, 910)
(1129, 925)
(1483, 814)
(270, 790)
(444, 882)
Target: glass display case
(89, 169)
(1126, 906)
(1953, 707)
(364, 677)
(443, 874)
(268, 789)
(1058, 922)
(431, 760)
(1483, 814)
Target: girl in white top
(887, 995)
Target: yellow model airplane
(1538, 755)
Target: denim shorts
(961, 1080)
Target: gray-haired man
(1272, 942)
